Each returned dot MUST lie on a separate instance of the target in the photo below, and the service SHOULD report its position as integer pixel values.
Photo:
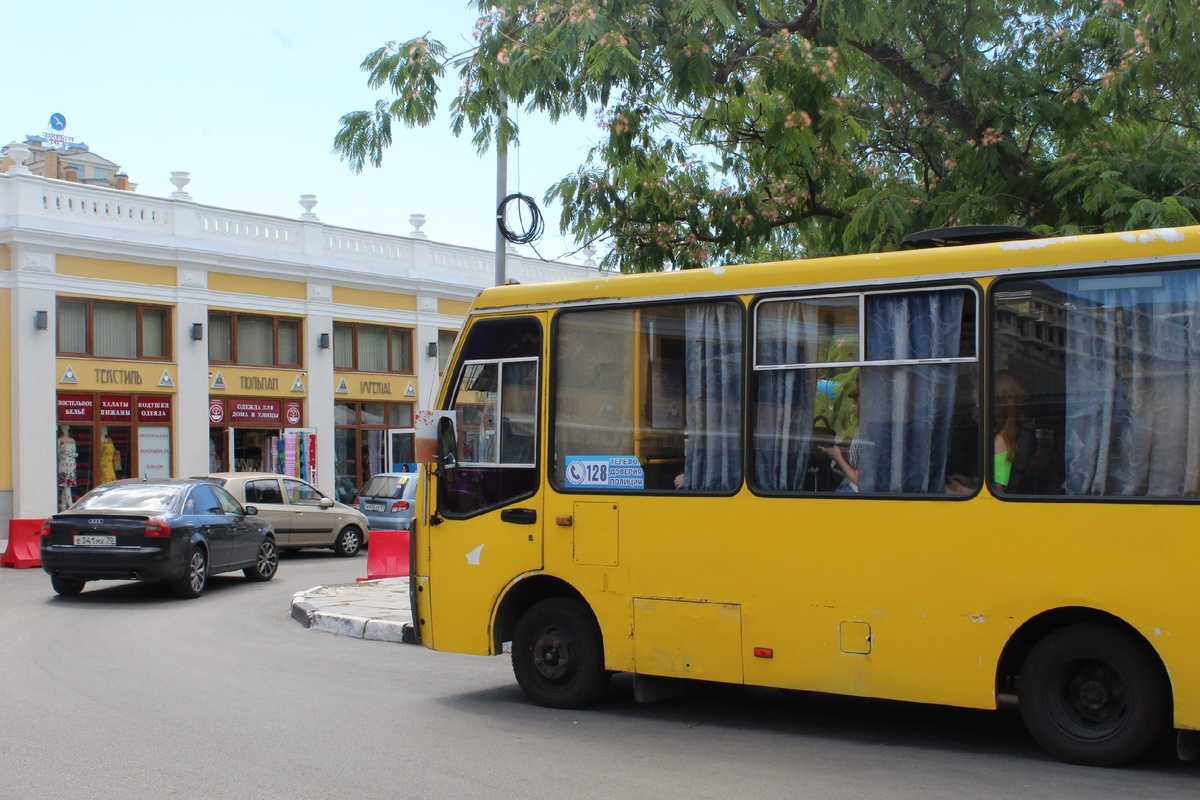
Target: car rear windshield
(147, 498)
(386, 486)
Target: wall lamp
(197, 331)
(323, 341)
(431, 349)
(41, 320)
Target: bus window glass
(808, 331)
(649, 398)
(901, 418)
(495, 393)
(1096, 384)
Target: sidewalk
(365, 610)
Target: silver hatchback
(388, 501)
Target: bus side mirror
(447, 448)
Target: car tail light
(46, 527)
(400, 505)
(157, 529)
(355, 503)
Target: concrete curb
(377, 610)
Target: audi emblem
(95, 522)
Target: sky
(246, 96)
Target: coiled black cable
(532, 231)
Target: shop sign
(116, 408)
(76, 408)
(216, 410)
(154, 409)
(291, 413)
(154, 451)
(254, 410)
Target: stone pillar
(190, 438)
(319, 404)
(34, 384)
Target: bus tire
(1091, 694)
(558, 655)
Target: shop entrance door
(402, 454)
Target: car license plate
(92, 540)
(374, 506)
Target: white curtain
(1133, 386)
(72, 327)
(220, 337)
(114, 330)
(372, 348)
(255, 340)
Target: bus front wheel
(558, 654)
(1095, 695)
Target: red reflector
(400, 505)
(157, 529)
(764, 652)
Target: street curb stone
(377, 610)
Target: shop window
(360, 441)
(113, 330)
(372, 348)
(253, 339)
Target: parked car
(388, 501)
(165, 529)
(300, 514)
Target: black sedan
(175, 530)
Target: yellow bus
(963, 474)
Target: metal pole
(501, 193)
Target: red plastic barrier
(24, 544)
(387, 555)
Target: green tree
(740, 130)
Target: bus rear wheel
(1094, 695)
(558, 655)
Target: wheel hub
(1094, 695)
(550, 657)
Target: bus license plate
(93, 540)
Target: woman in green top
(1008, 415)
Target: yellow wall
(121, 377)
(5, 257)
(264, 287)
(374, 299)
(6, 425)
(375, 387)
(115, 270)
(257, 382)
(454, 308)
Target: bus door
(486, 527)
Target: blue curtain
(905, 412)
(784, 408)
(713, 378)
(1133, 388)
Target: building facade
(161, 337)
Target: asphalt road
(126, 692)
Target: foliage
(740, 130)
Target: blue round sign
(58, 121)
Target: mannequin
(110, 459)
(67, 455)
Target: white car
(300, 514)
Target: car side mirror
(250, 510)
(326, 503)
